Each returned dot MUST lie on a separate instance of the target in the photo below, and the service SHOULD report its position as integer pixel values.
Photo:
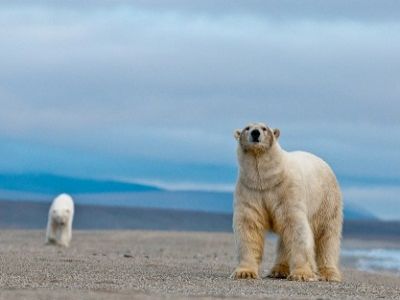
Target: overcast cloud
(110, 87)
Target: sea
(373, 259)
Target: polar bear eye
(247, 128)
(264, 128)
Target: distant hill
(54, 184)
(42, 187)
(357, 213)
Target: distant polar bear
(295, 195)
(59, 224)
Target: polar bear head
(256, 137)
(61, 216)
(62, 210)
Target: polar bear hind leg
(281, 268)
(327, 252)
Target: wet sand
(156, 264)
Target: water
(373, 259)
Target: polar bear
(59, 224)
(295, 195)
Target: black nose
(255, 134)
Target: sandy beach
(156, 264)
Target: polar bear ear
(237, 133)
(277, 133)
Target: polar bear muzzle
(256, 137)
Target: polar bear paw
(279, 272)
(302, 274)
(329, 274)
(244, 273)
(51, 241)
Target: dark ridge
(31, 215)
(371, 229)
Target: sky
(153, 90)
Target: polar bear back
(309, 164)
(314, 175)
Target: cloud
(280, 10)
(170, 82)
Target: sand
(156, 264)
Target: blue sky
(152, 90)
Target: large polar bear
(295, 195)
(59, 224)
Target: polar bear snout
(255, 135)
(60, 220)
(61, 223)
(60, 217)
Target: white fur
(59, 224)
(294, 194)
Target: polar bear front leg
(298, 238)
(51, 232)
(249, 237)
(65, 235)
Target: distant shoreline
(33, 215)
